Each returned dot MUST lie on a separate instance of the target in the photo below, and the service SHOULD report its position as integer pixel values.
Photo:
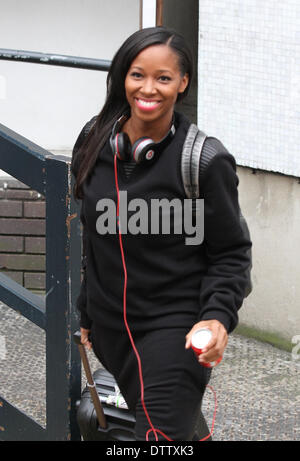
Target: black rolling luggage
(97, 416)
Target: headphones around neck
(143, 150)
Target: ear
(184, 83)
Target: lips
(146, 104)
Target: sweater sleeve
(223, 286)
(81, 303)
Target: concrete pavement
(257, 385)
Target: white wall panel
(249, 80)
(49, 104)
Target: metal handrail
(52, 59)
(51, 176)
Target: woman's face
(153, 82)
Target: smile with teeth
(146, 104)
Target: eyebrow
(159, 70)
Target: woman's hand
(216, 346)
(85, 338)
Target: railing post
(63, 369)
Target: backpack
(192, 169)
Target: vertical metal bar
(141, 14)
(60, 316)
(74, 235)
(159, 12)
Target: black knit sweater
(170, 284)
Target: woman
(144, 294)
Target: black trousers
(174, 382)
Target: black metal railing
(51, 59)
(55, 313)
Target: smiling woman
(179, 58)
(152, 86)
(144, 294)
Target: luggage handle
(91, 384)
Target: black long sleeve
(223, 286)
(170, 283)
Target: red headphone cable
(152, 429)
(124, 302)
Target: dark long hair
(116, 103)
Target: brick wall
(22, 234)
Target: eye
(136, 74)
(164, 78)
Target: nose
(148, 87)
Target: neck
(157, 130)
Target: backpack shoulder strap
(190, 160)
(89, 125)
(193, 165)
(79, 142)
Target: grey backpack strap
(190, 160)
(190, 169)
(90, 125)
